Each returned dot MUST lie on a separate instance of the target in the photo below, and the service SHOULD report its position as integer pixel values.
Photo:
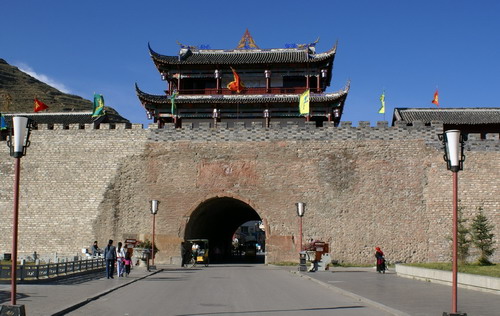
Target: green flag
(3, 125)
(98, 106)
(382, 103)
(304, 103)
(172, 100)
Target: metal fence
(51, 270)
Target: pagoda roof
(188, 56)
(463, 116)
(240, 98)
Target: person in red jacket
(380, 260)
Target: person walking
(95, 249)
(110, 258)
(127, 262)
(120, 257)
(380, 260)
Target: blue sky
(407, 48)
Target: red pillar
(455, 243)
(13, 273)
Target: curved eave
(243, 57)
(158, 100)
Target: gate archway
(217, 219)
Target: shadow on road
(5, 296)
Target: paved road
(226, 290)
(416, 298)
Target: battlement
(120, 126)
(293, 131)
(256, 131)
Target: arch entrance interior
(216, 220)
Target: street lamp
(154, 210)
(301, 209)
(453, 142)
(18, 142)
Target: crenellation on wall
(75, 126)
(274, 125)
(293, 131)
(382, 124)
(239, 125)
(473, 137)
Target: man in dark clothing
(110, 257)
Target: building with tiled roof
(467, 120)
(272, 80)
(66, 118)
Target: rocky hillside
(18, 89)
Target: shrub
(482, 237)
(146, 244)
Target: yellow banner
(304, 103)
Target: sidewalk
(402, 296)
(56, 297)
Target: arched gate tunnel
(216, 220)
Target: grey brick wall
(365, 186)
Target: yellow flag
(382, 103)
(304, 103)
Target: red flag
(235, 85)
(40, 106)
(436, 98)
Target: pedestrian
(110, 258)
(380, 260)
(120, 256)
(195, 248)
(184, 253)
(95, 249)
(127, 262)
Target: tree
(482, 237)
(463, 238)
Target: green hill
(18, 89)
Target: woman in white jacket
(120, 256)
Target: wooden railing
(226, 91)
(51, 270)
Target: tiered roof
(215, 67)
(241, 98)
(243, 56)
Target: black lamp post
(154, 210)
(301, 209)
(18, 142)
(453, 142)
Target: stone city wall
(364, 186)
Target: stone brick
(364, 187)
